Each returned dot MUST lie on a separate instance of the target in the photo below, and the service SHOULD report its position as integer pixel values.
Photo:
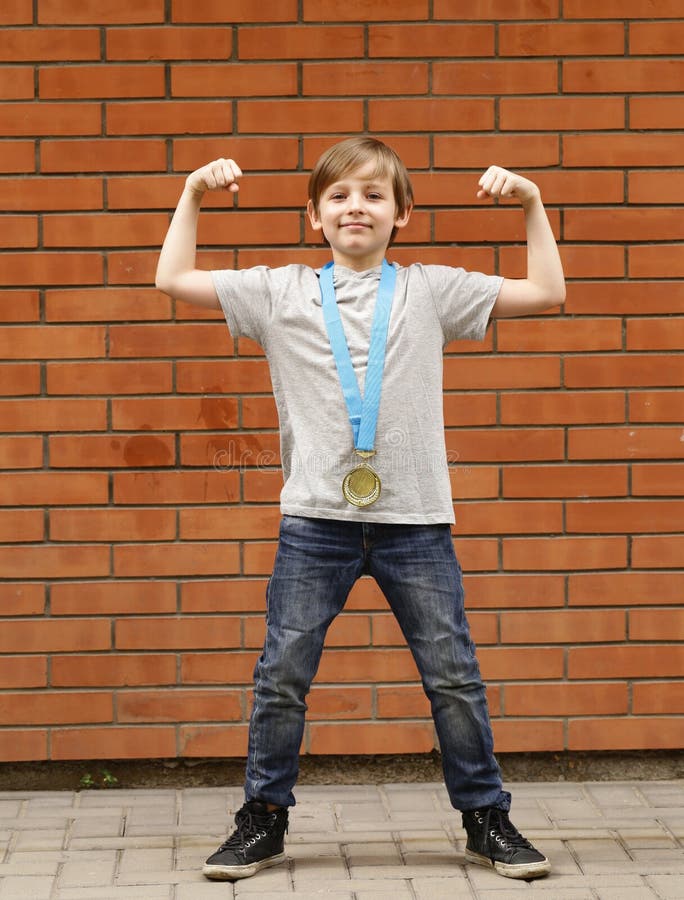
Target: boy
(355, 353)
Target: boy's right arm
(177, 274)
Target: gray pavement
(606, 841)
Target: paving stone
(667, 887)
(19, 887)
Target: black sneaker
(494, 841)
(256, 843)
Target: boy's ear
(313, 216)
(402, 219)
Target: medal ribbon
(363, 413)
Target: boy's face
(357, 215)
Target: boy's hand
(498, 182)
(219, 175)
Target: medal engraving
(362, 485)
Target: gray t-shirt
(281, 309)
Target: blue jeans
(317, 563)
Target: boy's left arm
(544, 285)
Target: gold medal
(361, 486)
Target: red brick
(113, 743)
(579, 261)
(656, 625)
(548, 335)
(609, 698)
(23, 672)
(620, 370)
(108, 670)
(512, 663)
(528, 736)
(621, 9)
(21, 452)
(112, 452)
(624, 297)
(262, 486)
(45, 269)
(372, 738)
(234, 376)
(19, 13)
(561, 39)
(16, 83)
(178, 706)
(225, 453)
(504, 444)
(188, 632)
(566, 407)
(561, 113)
(469, 409)
(21, 600)
(658, 697)
(169, 340)
(109, 378)
(624, 588)
(655, 261)
(19, 306)
(421, 40)
(52, 118)
(656, 112)
(621, 224)
(17, 745)
(47, 194)
(279, 153)
(54, 562)
(483, 373)
(494, 517)
(176, 487)
(106, 305)
(229, 524)
(176, 559)
(565, 480)
(622, 149)
(85, 82)
(237, 228)
(111, 598)
(563, 627)
(498, 10)
(646, 186)
(50, 44)
(365, 10)
(232, 79)
(56, 708)
(479, 225)
(510, 151)
(19, 379)
(655, 334)
(19, 231)
(54, 415)
(212, 741)
(564, 553)
(656, 37)
(240, 11)
(514, 591)
(157, 413)
(625, 734)
(41, 342)
(287, 116)
(17, 156)
(658, 552)
(330, 703)
(485, 77)
(431, 114)
(103, 230)
(624, 662)
(665, 480)
(363, 78)
(413, 149)
(21, 525)
(218, 668)
(301, 42)
(112, 525)
(622, 75)
(98, 12)
(625, 443)
(478, 554)
(53, 488)
(103, 155)
(227, 596)
(53, 636)
(624, 516)
(167, 42)
(169, 117)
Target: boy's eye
(373, 195)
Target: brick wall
(139, 442)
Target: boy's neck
(358, 263)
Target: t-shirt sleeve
(247, 297)
(463, 301)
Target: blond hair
(347, 156)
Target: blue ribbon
(363, 413)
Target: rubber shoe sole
(233, 873)
(521, 870)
